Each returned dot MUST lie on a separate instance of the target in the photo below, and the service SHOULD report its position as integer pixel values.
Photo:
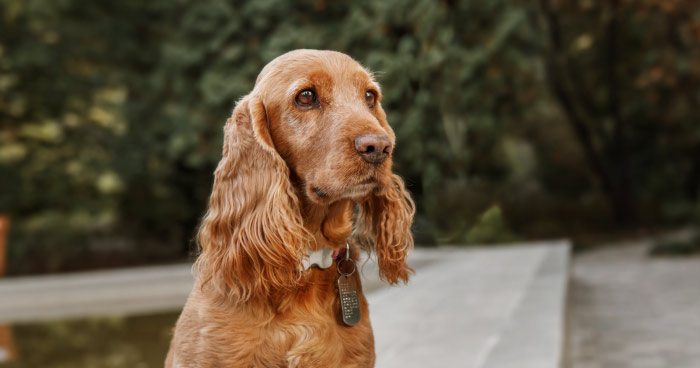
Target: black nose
(374, 148)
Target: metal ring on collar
(354, 267)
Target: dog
(305, 181)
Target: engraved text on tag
(349, 300)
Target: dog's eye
(370, 98)
(306, 99)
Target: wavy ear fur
(384, 223)
(252, 237)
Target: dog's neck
(330, 225)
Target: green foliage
(627, 77)
(136, 341)
(491, 227)
(111, 113)
(676, 247)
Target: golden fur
(291, 179)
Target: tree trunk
(608, 163)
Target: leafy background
(514, 119)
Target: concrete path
(124, 291)
(489, 307)
(496, 307)
(632, 311)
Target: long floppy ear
(252, 237)
(384, 223)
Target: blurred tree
(111, 113)
(627, 76)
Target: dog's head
(327, 123)
(313, 126)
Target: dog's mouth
(360, 190)
(353, 191)
(319, 192)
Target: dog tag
(349, 300)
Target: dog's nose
(374, 148)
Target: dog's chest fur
(301, 330)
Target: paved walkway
(497, 307)
(632, 311)
(96, 293)
(492, 307)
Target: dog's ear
(252, 237)
(384, 225)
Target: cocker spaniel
(305, 175)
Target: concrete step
(138, 290)
(465, 307)
(476, 307)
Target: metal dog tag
(349, 299)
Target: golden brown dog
(306, 165)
